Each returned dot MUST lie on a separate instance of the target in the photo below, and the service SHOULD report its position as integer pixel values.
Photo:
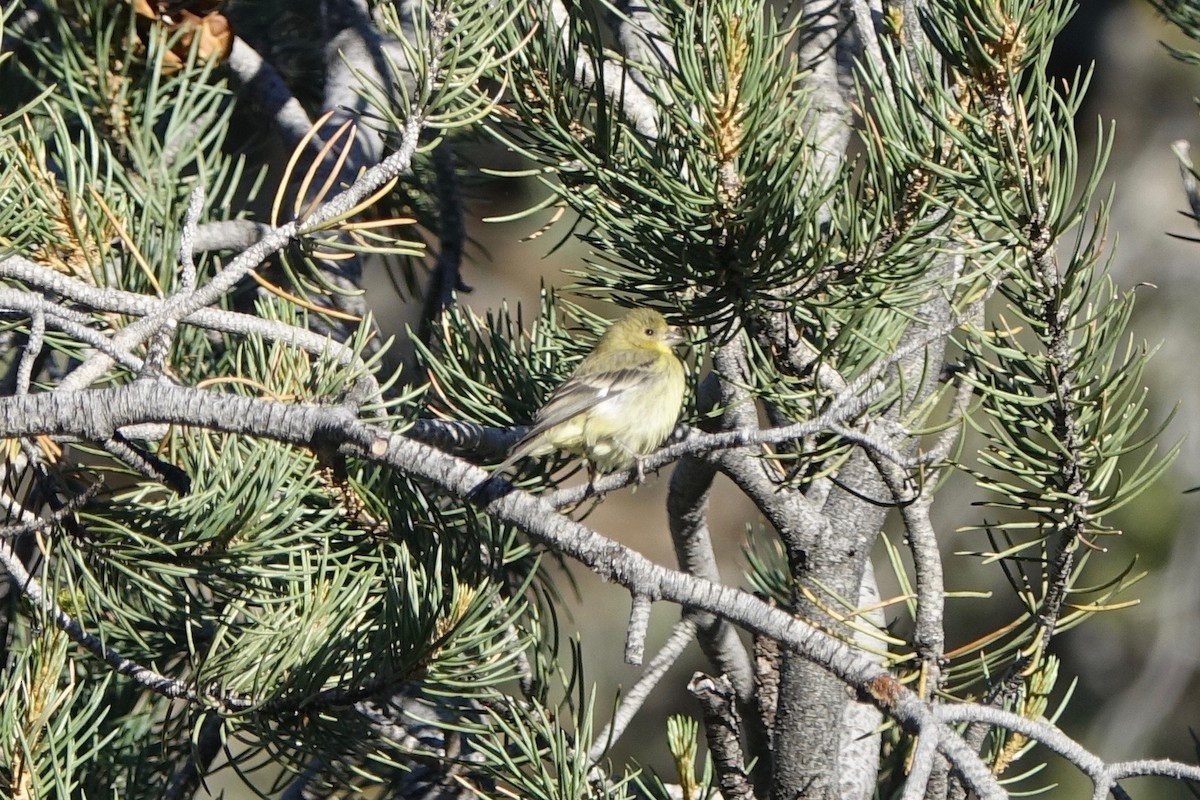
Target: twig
(146, 463)
(31, 522)
(481, 442)
(230, 234)
(160, 343)
(879, 445)
(68, 321)
(1103, 776)
(922, 766)
(635, 632)
(929, 634)
(687, 513)
(777, 333)
(975, 775)
(32, 350)
(154, 366)
(32, 589)
(187, 240)
(940, 451)
(115, 300)
(697, 443)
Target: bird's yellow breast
(620, 429)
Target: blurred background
(1138, 694)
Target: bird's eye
(649, 331)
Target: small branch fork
(98, 414)
(181, 305)
(631, 703)
(159, 319)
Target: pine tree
(243, 534)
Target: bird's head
(644, 328)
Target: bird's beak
(674, 337)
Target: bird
(619, 404)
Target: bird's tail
(521, 449)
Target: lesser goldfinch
(621, 402)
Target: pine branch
(105, 410)
(32, 589)
(106, 299)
